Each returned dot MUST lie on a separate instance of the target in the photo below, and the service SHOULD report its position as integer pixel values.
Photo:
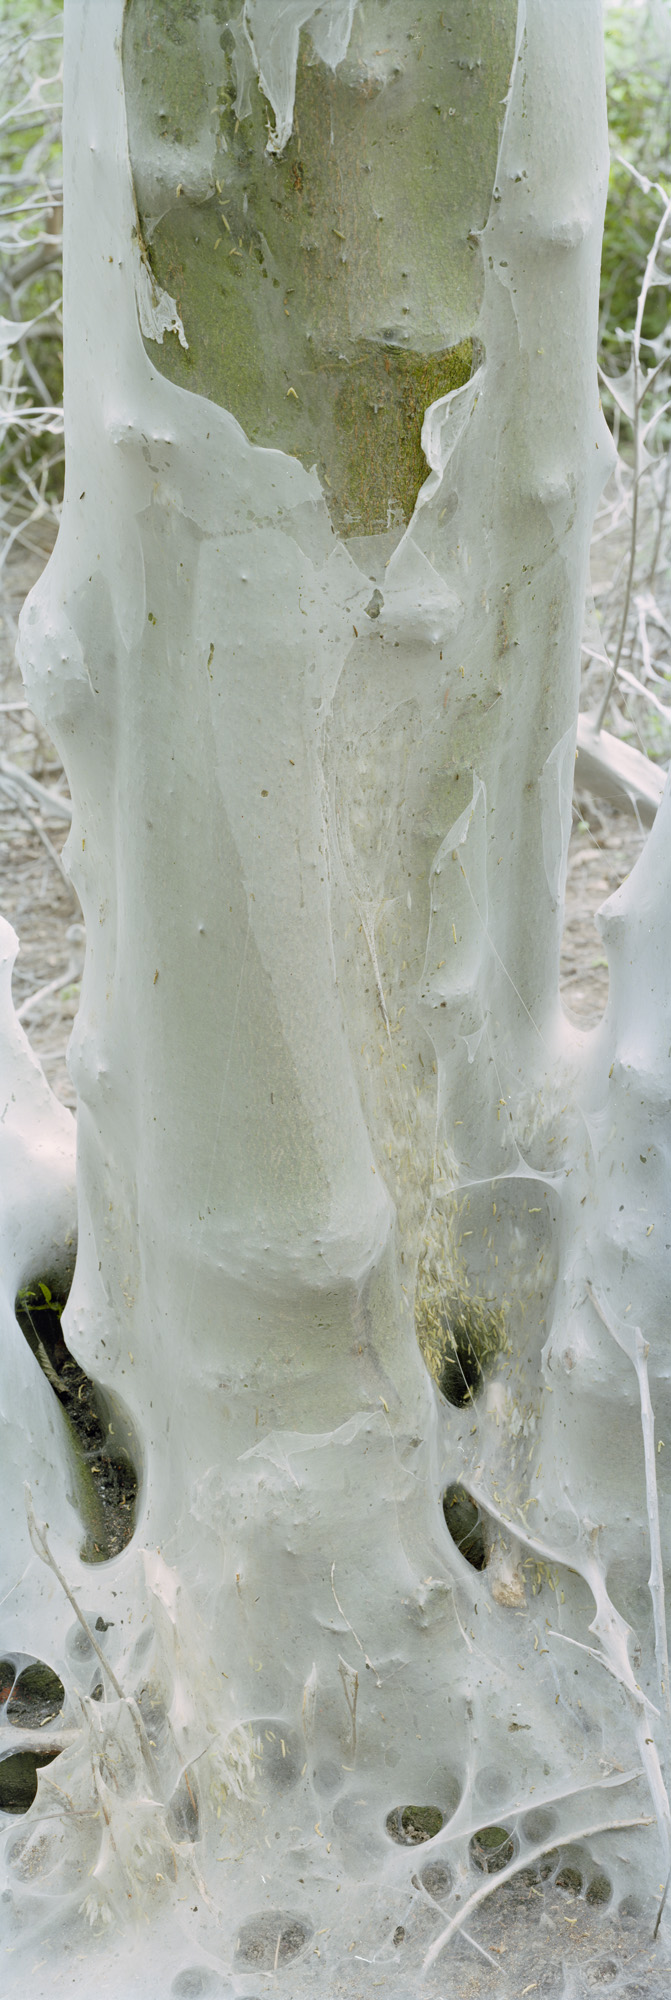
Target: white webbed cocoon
(320, 844)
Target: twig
(309, 1703)
(41, 1546)
(350, 1628)
(637, 400)
(481, 1949)
(631, 1343)
(502, 1875)
(350, 1681)
(602, 1661)
(55, 801)
(435, 1905)
(64, 979)
(660, 1911)
(648, 695)
(46, 255)
(12, 792)
(636, 1349)
(661, 517)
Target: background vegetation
(31, 340)
(638, 74)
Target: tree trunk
(362, 1221)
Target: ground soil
(536, 1938)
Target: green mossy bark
(327, 295)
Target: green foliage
(29, 1301)
(638, 75)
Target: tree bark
(337, 1144)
